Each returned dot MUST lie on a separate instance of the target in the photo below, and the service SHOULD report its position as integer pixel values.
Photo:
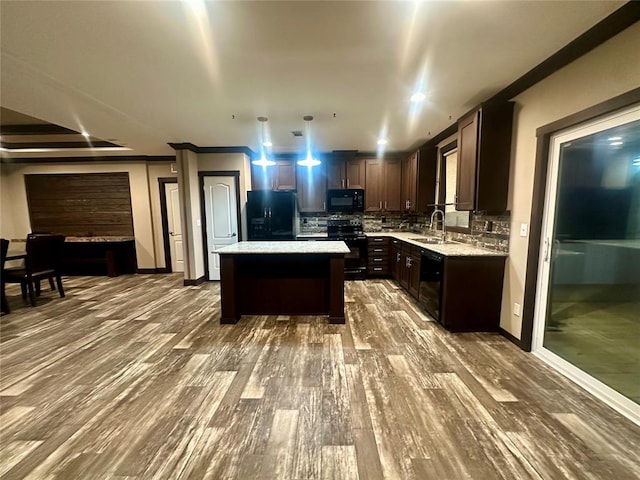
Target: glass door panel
(592, 252)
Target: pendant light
(264, 141)
(309, 161)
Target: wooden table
(282, 278)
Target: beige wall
(155, 171)
(231, 162)
(610, 70)
(15, 213)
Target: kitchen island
(282, 278)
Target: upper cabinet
(312, 188)
(281, 176)
(345, 171)
(419, 180)
(383, 180)
(484, 155)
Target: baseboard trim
(194, 283)
(163, 270)
(511, 338)
(146, 270)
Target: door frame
(162, 181)
(203, 215)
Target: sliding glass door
(588, 301)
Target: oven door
(355, 262)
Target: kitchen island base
(287, 284)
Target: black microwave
(349, 200)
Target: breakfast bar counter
(282, 278)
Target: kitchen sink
(428, 241)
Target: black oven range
(348, 228)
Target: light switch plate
(517, 309)
(198, 223)
(524, 229)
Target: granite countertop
(99, 239)
(451, 249)
(290, 247)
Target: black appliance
(348, 228)
(350, 200)
(431, 271)
(272, 215)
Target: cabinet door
(392, 182)
(355, 170)
(414, 275)
(262, 177)
(467, 162)
(409, 183)
(395, 260)
(373, 193)
(312, 188)
(336, 174)
(285, 175)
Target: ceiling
(140, 75)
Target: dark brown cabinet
(419, 181)
(484, 155)
(384, 180)
(311, 184)
(378, 256)
(281, 176)
(472, 293)
(346, 172)
(413, 265)
(395, 259)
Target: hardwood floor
(133, 377)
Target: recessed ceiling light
(268, 144)
(85, 134)
(613, 139)
(616, 144)
(418, 97)
(382, 141)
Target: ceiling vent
(297, 133)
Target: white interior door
(221, 210)
(176, 247)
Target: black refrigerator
(272, 215)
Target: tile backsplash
(487, 231)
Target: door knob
(232, 234)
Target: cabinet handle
(324, 205)
(378, 249)
(347, 183)
(385, 204)
(377, 269)
(377, 239)
(380, 204)
(377, 259)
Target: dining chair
(4, 247)
(42, 262)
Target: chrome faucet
(431, 226)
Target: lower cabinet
(472, 293)
(470, 289)
(378, 256)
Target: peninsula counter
(282, 278)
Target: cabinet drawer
(379, 260)
(378, 269)
(378, 250)
(378, 241)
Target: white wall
(14, 223)
(609, 70)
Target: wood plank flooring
(133, 377)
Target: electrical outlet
(517, 309)
(524, 229)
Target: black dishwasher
(431, 270)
